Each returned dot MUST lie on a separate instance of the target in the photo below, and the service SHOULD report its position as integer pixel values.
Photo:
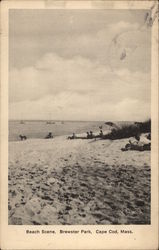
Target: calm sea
(39, 129)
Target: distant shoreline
(31, 120)
(44, 120)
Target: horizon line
(77, 120)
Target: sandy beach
(62, 181)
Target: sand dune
(64, 181)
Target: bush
(127, 131)
(109, 123)
(145, 127)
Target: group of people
(89, 135)
(140, 143)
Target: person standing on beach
(73, 136)
(88, 135)
(101, 133)
(91, 134)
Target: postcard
(79, 125)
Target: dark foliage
(109, 123)
(145, 127)
(127, 131)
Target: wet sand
(77, 182)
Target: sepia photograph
(79, 140)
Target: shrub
(130, 130)
(145, 127)
(109, 123)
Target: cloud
(54, 74)
(79, 107)
(87, 34)
(70, 64)
(77, 88)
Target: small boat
(50, 122)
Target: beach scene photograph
(79, 141)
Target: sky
(79, 65)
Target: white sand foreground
(62, 181)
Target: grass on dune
(129, 130)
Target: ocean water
(39, 129)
